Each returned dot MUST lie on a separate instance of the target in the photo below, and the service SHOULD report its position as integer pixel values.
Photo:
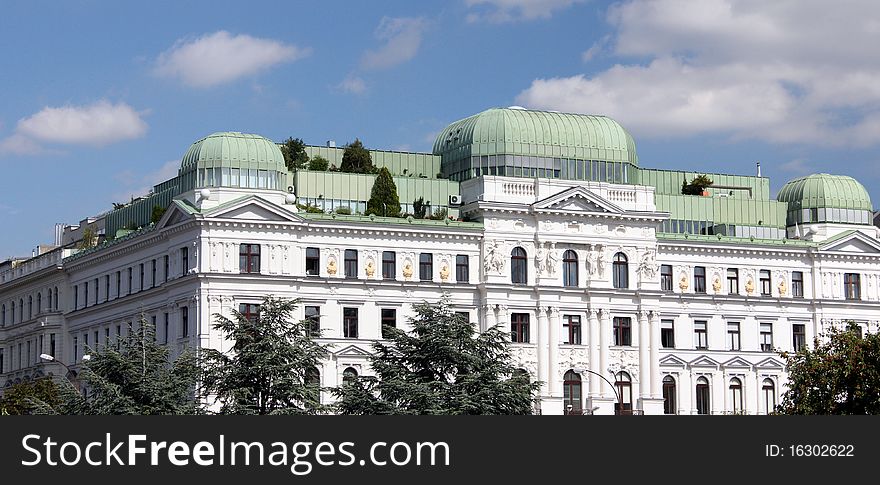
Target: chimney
(759, 168)
(59, 233)
(331, 143)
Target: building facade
(621, 294)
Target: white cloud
(220, 57)
(352, 85)
(595, 49)
(786, 71)
(97, 124)
(797, 166)
(136, 185)
(402, 37)
(498, 11)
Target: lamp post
(75, 382)
(613, 387)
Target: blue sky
(99, 100)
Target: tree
(697, 185)
(319, 163)
(420, 209)
(270, 368)
(384, 200)
(440, 367)
(158, 212)
(840, 376)
(30, 397)
(89, 238)
(295, 156)
(356, 158)
(134, 375)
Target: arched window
(3, 320)
(12, 314)
(313, 383)
(39, 302)
(669, 395)
(621, 271)
(21, 309)
(349, 375)
(519, 274)
(569, 268)
(49, 296)
(30, 307)
(571, 393)
(55, 300)
(702, 396)
(768, 389)
(623, 383)
(736, 395)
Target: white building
(601, 270)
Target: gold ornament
(716, 284)
(444, 272)
(370, 269)
(407, 270)
(783, 288)
(683, 282)
(331, 267)
(750, 286)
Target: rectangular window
(732, 281)
(733, 336)
(165, 266)
(106, 287)
(351, 263)
(571, 326)
(2, 369)
(700, 337)
(250, 311)
(426, 266)
(184, 260)
(130, 281)
(184, 322)
(313, 262)
(249, 258)
(797, 284)
(462, 269)
(313, 319)
(350, 322)
(799, 336)
(153, 274)
(75, 349)
(52, 345)
(141, 285)
(75, 300)
(852, 286)
(519, 327)
(764, 278)
(85, 295)
(118, 284)
(699, 279)
(389, 265)
(164, 333)
(622, 331)
(466, 316)
(666, 277)
(389, 320)
(766, 337)
(667, 334)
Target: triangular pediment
(704, 361)
(737, 363)
(252, 209)
(577, 200)
(672, 361)
(852, 242)
(178, 211)
(770, 363)
(352, 351)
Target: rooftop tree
(384, 200)
(295, 156)
(356, 158)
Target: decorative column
(644, 364)
(604, 339)
(553, 374)
(542, 350)
(503, 318)
(490, 319)
(656, 383)
(593, 319)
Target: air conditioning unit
(454, 200)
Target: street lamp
(613, 387)
(50, 358)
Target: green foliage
(309, 208)
(384, 200)
(89, 238)
(319, 163)
(134, 376)
(840, 376)
(343, 210)
(443, 366)
(356, 158)
(119, 205)
(158, 212)
(439, 214)
(30, 397)
(697, 185)
(295, 156)
(420, 209)
(132, 226)
(269, 368)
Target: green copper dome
(518, 131)
(826, 198)
(233, 150)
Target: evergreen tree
(356, 158)
(271, 367)
(157, 213)
(319, 163)
(840, 376)
(30, 397)
(384, 200)
(420, 209)
(134, 375)
(441, 367)
(295, 156)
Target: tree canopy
(696, 186)
(319, 163)
(443, 366)
(356, 158)
(30, 397)
(384, 200)
(295, 156)
(271, 367)
(841, 375)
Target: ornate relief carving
(683, 281)
(370, 268)
(716, 283)
(494, 260)
(750, 285)
(648, 266)
(407, 269)
(331, 265)
(444, 272)
(624, 361)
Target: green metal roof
(825, 191)
(521, 131)
(233, 150)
